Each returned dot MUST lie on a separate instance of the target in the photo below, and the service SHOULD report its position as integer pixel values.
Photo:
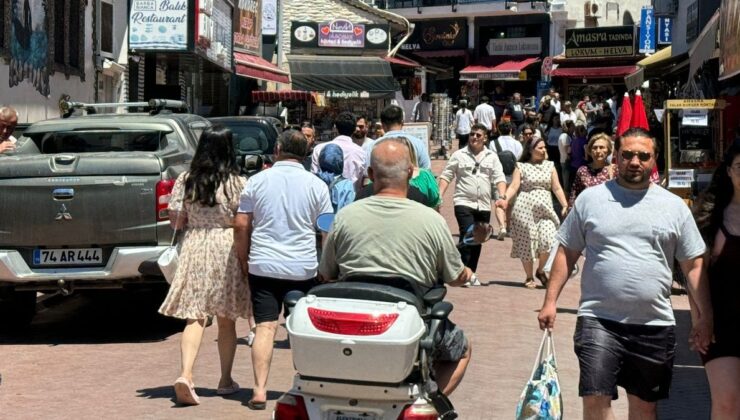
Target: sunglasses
(475, 169)
(643, 156)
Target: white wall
(31, 105)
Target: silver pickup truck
(83, 203)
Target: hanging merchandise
(441, 124)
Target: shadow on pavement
(168, 393)
(689, 398)
(95, 317)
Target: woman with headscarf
(331, 165)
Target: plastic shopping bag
(541, 398)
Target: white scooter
(362, 350)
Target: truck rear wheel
(17, 309)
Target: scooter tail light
(350, 323)
(290, 407)
(416, 411)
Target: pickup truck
(84, 204)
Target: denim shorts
(638, 358)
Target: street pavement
(109, 355)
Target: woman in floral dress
(533, 218)
(208, 281)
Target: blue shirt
(420, 147)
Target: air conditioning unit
(665, 8)
(592, 9)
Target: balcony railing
(403, 4)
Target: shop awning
(704, 46)
(506, 70)
(258, 68)
(343, 77)
(594, 72)
(441, 53)
(655, 59)
(656, 65)
(281, 95)
(402, 61)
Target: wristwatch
(502, 197)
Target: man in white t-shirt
(486, 115)
(464, 121)
(275, 242)
(8, 122)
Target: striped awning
(281, 95)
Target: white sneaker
(501, 234)
(466, 284)
(474, 280)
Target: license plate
(343, 415)
(68, 256)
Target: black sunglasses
(643, 156)
(475, 170)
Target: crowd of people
(557, 190)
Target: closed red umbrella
(625, 115)
(639, 117)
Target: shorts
(452, 345)
(268, 294)
(638, 358)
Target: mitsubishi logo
(63, 214)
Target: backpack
(342, 192)
(507, 158)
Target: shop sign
(509, 75)
(341, 33)
(335, 94)
(515, 46)
(158, 25)
(665, 30)
(695, 103)
(647, 30)
(269, 17)
(447, 34)
(610, 41)
(338, 34)
(729, 30)
(215, 29)
(248, 26)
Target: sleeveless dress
(533, 218)
(724, 286)
(208, 280)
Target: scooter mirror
(324, 222)
(477, 233)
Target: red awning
(281, 95)
(259, 68)
(509, 69)
(441, 53)
(402, 61)
(594, 72)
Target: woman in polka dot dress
(533, 218)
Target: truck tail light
(350, 323)
(163, 192)
(290, 407)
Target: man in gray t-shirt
(631, 232)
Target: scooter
(362, 350)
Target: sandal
(529, 283)
(542, 277)
(185, 392)
(256, 405)
(228, 390)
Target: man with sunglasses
(477, 169)
(631, 231)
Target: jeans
(467, 216)
(462, 140)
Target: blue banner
(665, 28)
(647, 30)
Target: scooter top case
(349, 339)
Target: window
(69, 36)
(692, 21)
(106, 27)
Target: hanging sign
(665, 28)
(647, 30)
(341, 33)
(269, 17)
(158, 25)
(248, 26)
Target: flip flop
(185, 392)
(529, 283)
(228, 390)
(257, 405)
